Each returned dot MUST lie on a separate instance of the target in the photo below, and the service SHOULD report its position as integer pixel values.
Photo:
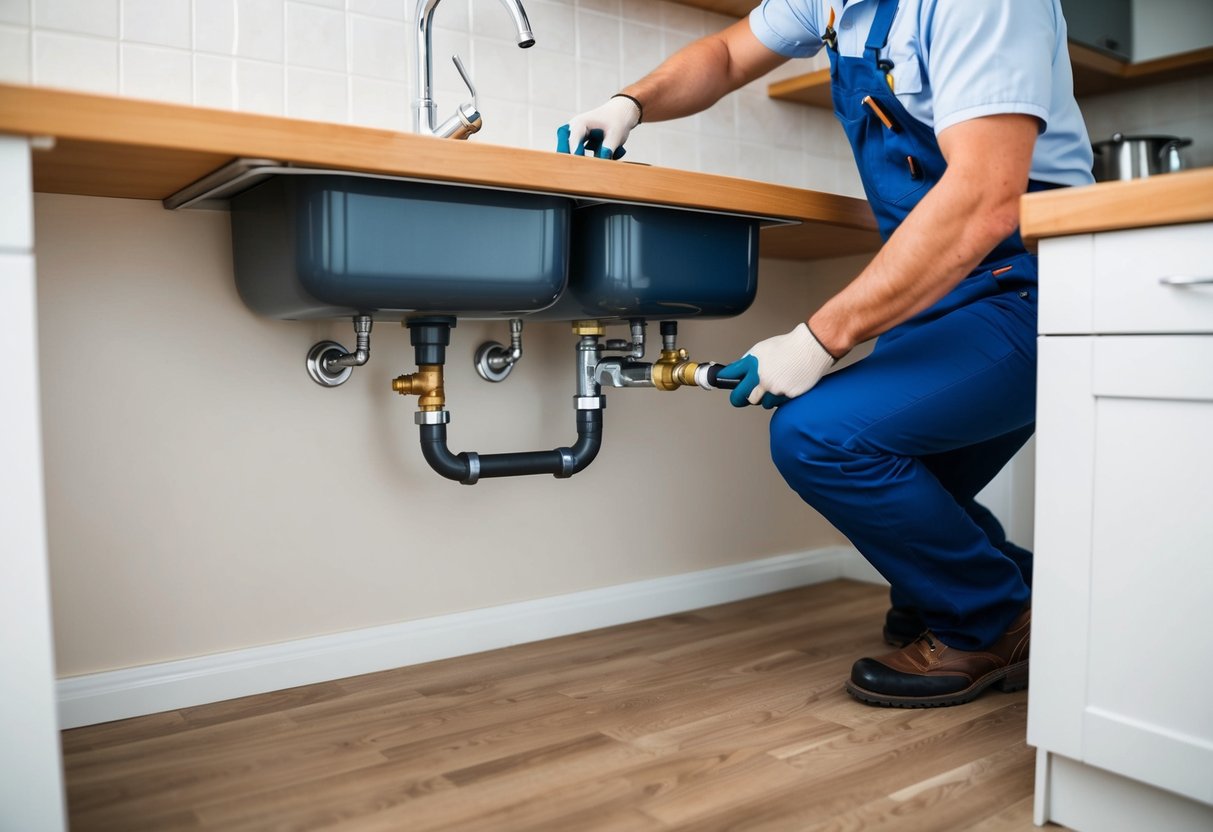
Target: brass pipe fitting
(673, 370)
(583, 328)
(426, 383)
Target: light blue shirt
(955, 60)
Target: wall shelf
(1094, 73)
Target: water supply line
(672, 370)
(330, 364)
(494, 361)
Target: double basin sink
(313, 245)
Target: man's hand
(602, 131)
(778, 369)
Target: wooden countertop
(1168, 199)
(118, 147)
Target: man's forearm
(703, 72)
(940, 243)
(974, 207)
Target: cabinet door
(1124, 680)
(1104, 24)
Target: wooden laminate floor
(731, 718)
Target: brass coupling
(584, 328)
(426, 384)
(673, 370)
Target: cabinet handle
(1185, 280)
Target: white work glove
(778, 369)
(601, 131)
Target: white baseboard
(118, 694)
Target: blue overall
(893, 449)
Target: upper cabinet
(1103, 24)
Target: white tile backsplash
(555, 26)
(315, 37)
(84, 17)
(317, 95)
(260, 87)
(260, 29)
(157, 73)
(14, 55)
(75, 62)
(384, 104)
(598, 37)
(215, 26)
(640, 50)
(351, 61)
(642, 11)
(610, 7)
(379, 48)
(214, 81)
(158, 22)
(553, 81)
(15, 12)
(500, 70)
(391, 9)
(680, 18)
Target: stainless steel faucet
(466, 120)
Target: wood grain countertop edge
(132, 123)
(1168, 199)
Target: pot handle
(1168, 155)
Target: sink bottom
(312, 245)
(640, 261)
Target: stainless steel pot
(1135, 157)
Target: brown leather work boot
(928, 674)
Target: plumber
(953, 108)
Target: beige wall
(205, 495)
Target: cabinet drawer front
(1154, 280)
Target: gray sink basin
(647, 261)
(323, 246)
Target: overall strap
(878, 35)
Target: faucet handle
(467, 119)
(467, 79)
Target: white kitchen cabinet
(1121, 703)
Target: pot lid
(1121, 138)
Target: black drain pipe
(430, 337)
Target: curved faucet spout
(526, 38)
(425, 111)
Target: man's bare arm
(974, 206)
(703, 72)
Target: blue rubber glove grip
(770, 400)
(592, 140)
(745, 369)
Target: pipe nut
(583, 328)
